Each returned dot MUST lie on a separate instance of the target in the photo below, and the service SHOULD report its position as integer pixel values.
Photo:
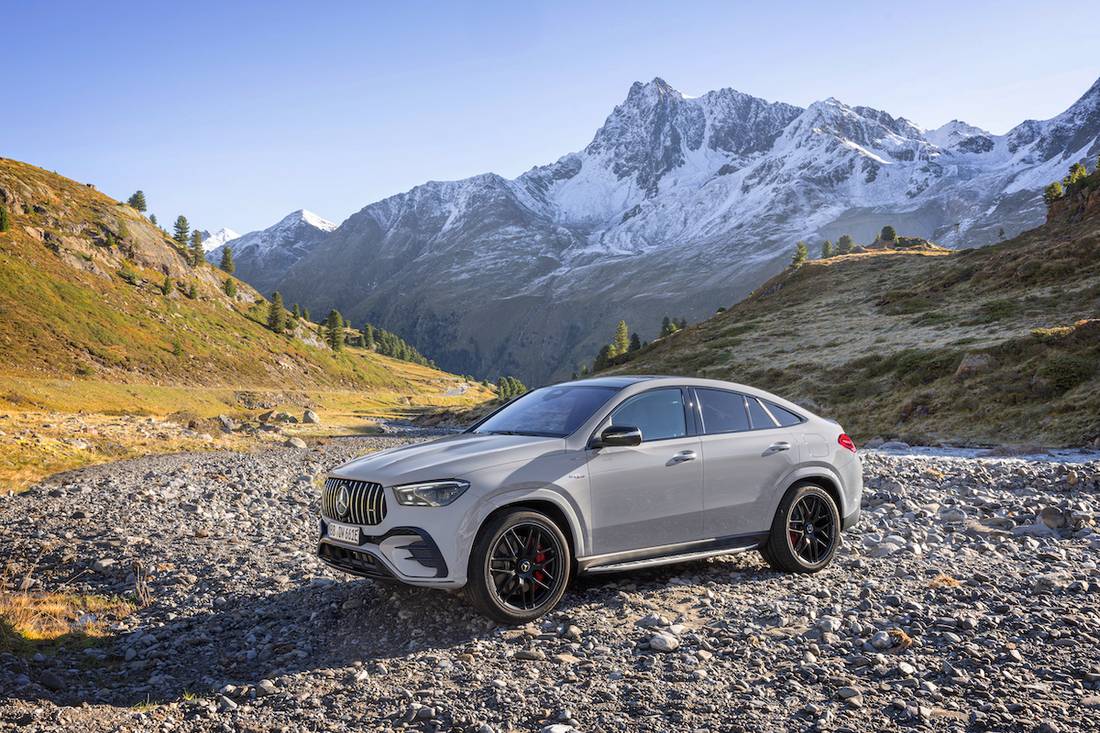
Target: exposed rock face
(677, 206)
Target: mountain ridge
(678, 204)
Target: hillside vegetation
(999, 344)
(102, 312)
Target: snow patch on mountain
(211, 242)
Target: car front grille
(365, 502)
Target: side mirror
(619, 435)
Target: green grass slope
(992, 345)
(80, 296)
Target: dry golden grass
(30, 620)
(944, 581)
(901, 639)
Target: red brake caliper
(540, 556)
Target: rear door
(651, 494)
(745, 455)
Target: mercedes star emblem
(342, 500)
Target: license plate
(343, 532)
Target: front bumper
(408, 554)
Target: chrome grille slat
(366, 501)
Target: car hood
(451, 457)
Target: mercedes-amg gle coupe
(595, 476)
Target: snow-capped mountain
(217, 239)
(678, 205)
(262, 257)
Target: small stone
(309, 416)
(530, 655)
(663, 643)
(266, 687)
(295, 442)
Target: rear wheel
(805, 533)
(519, 566)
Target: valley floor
(967, 598)
(52, 425)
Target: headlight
(430, 493)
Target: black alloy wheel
(519, 566)
(805, 533)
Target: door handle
(684, 455)
(780, 446)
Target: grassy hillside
(87, 325)
(993, 345)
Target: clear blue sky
(238, 113)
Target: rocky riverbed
(968, 598)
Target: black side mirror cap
(618, 435)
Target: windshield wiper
(521, 432)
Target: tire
(791, 550)
(508, 579)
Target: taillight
(846, 442)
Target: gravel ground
(968, 598)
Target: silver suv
(595, 476)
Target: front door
(651, 494)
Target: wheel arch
(543, 506)
(815, 474)
(832, 488)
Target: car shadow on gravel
(343, 625)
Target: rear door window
(723, 412)
(759, 416)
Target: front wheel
(805, 533)
(519, 566)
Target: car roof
(657, 380)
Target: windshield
(551, 411)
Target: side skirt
(651, 557)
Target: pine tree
(296, 311)
(5, 223)
(1077, 172)
(668, 327)
(368, 336)
(177, 347)
(1052, 193)
(231, 287)
(334, 330)
(683, 323)
(826, 249)
(166, 286)
(192, 292)
(276, 314)
(622, 339)
(844, 244)
(182, 229)
(227, 262)
(305, 314)
(196, 248)
(503, 388)
(153, 219)
(602, 359)
(888, 234)
(635, 342)
(801, 252)
(137, 201)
